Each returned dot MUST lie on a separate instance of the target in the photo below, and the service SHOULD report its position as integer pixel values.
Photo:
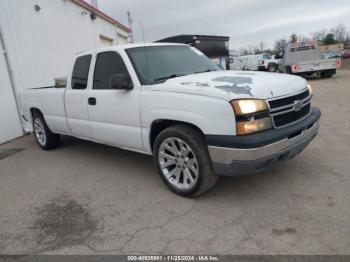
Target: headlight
(310, 88)
(251, 116)
(248, 106)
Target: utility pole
(131, 36)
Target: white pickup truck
(259, 62)
(172, 102)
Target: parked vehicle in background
(305, 59)
(345, 53)
(260, 62)
(273, 64)
(236, 63)
(330, 54)
(173, 102)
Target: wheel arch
(34, 110)
(159, 125)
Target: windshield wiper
(167, 77)
(208, 70)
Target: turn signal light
(244, 128)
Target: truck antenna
(143, 32)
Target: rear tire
(326, 74)
(182, 160)
(271, 67)
(43, 135)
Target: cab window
(107, 65)
(81, 72)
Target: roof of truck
(128, 46)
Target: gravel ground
(345, 64)
(86, 198)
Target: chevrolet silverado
(172, 102)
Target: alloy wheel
(178, 163)
(39, 131)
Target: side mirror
(121, 82)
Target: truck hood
(231, 84)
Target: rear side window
(81, 72)
(107, 65)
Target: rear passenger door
(115, 116)
(76, 98)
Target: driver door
(114, 114)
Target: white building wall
(41, 44)
(10, 125)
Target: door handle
(92, 101)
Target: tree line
(337, 34)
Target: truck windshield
(156, 64)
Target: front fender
(210, 115)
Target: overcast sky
(246, 22)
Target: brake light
(262, 62)
(294, 68)
(338, 63)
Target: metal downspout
(12, 81)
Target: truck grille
(291, 117)
(288, 110)
(288, 100)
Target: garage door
(10, 126)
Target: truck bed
(50, 100)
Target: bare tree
(347, 39)
(339, 33)
(301, 38)
(319, 35)
(244, 51)
(257, 51)
(280, 44)
(262, 46)
(293, 38)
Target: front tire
(43, 135)
(182, 160)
